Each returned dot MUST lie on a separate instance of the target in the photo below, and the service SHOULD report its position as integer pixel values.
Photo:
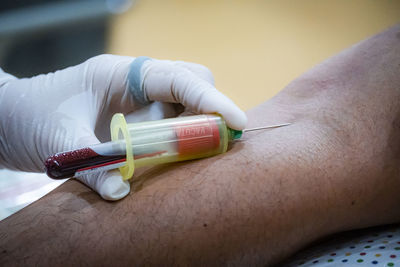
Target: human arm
(335, 168)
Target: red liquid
(66, 164)
(197, 138)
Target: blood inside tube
(83, 161)
(197, 137)
(66, 164)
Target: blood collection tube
(144, 144)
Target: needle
(266, 127)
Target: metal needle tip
(266, 127)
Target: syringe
(148, 143)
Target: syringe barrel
(145, 143)
(176, 139)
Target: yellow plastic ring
(118, 124)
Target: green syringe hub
(234, 134)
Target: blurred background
(253, 47)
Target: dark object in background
(54, 50)
(40, 36)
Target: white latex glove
(66, 110)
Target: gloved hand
(66, 110)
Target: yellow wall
(253, 47)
